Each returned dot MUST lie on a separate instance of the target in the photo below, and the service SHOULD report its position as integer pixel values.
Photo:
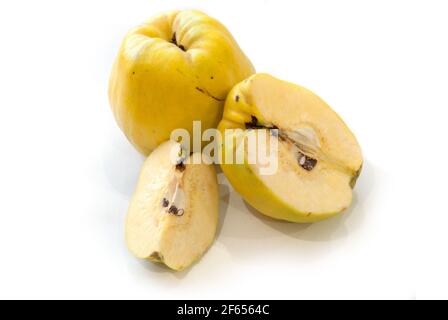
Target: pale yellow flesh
(321, 190)
(294, 107)
(155, 234)
(293, 193)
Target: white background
(67, 172)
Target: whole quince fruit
(173, 69)
(318, 157)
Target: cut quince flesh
(319, 158)
(173, 214)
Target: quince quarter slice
(173, 214)
(319, 158)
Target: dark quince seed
(165, 202)
(180, 166)
(173, 209)
(306, 162)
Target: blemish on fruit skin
(180, 72)
(237, 98)
(208, 94)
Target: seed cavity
(306, 162)
(174, 200)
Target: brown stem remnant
(174, 41)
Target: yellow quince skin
(173, 69)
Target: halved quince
(173, 214)
(319, 158)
